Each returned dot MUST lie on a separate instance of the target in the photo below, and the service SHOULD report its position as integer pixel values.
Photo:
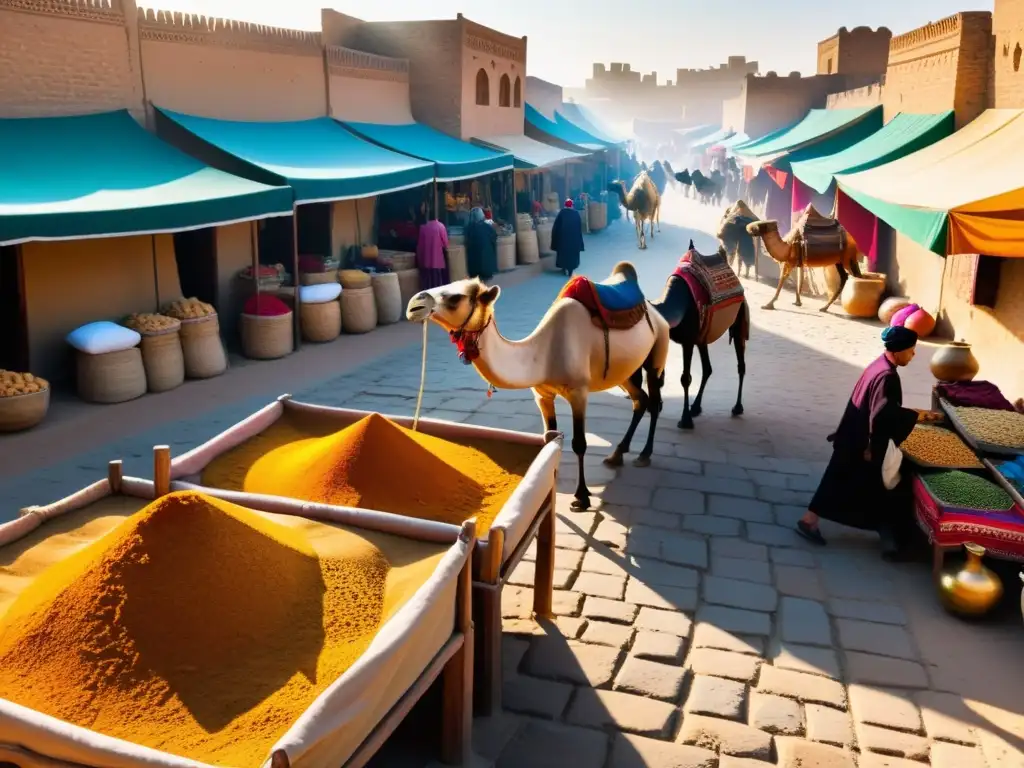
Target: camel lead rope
(423, 381)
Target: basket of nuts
(201, 344)
(162, 355)
(988, 430)
(938, 448)
(24, 400)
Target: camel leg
(705, 374)
(686, 422)
(634, 387)
(843, 277)
(654, 385)
(657, 212)
(741, 356)
(546, 404)
(799, 285)
(578, 402)
(786, 269)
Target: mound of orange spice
(196, 627)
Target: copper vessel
(954, 362)
(973, 590)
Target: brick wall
(367, 87)
(866, 96)
(860, 51)
(1008, 65)
(828, 55)
(61, 57)
(772, 102)
(499, 55)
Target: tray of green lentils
(988, 430)
(955, 489)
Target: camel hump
(691, 245)
(627, 270)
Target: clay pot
(954, 362)
(862, 295)
(973, 590)
(899, 317)
(922, 323)
(890, 307)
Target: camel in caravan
(814, 241)
(738, 243)
(643, 200)
(595, 336)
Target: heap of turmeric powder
(196, 627)
(377, 464)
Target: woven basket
(527, 251)
(400, 260)
(354, 278)
(544, 236)
(113, 377)
(457, 268)
(597, 216)
(388, 295)
(164, 360)
(203, 348)
(23, 411)
(321, 322)
(408, 285)
(267, 337)
(358, 310)
(506, 252)
(318, 278)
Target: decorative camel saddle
(819, 234)
(716, 289)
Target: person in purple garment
(851, 491)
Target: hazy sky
(565, 38)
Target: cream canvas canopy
(964, 194)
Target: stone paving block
(661, 596)
(650, 678)
(709, 635)
(744, 570)
(716, 663)
(603, 609)
(611, 534)
(622, 711)
(880, 639)
(541, 744)
(775, 714)
(678, 501)
(564, 602)
(581, 523)
(525, 575)
(681, 549)
(492, 734)
(737, 739)
(604, 561)
(875, 739)
(740, 594)
(716, 696)
(630, 495)
(658, 646)
(749, 510)
(784, 496)
(629, 751)
(805, 658)
(875, 760)
(655, 572)
(768, 478)
(829, 726)
(516, 602)
(956, 756)
(884, 707)
(658, 620)
(716, 469)
(742, 550)
(728, 761)
(947, 717)
(880, 613)
(561, 626)
(881, 670)
(804, 621)
(656, 519)
(512, 651)
(797, 557)
(555, 658)
(736, 620)
(795, 752)
(618, 513)
(797, 685)
(999, 753)
(799, 582)
(711, 526)
(572, 541)
(773, 535)
(533, 696)
(607, 633)
(601, 585)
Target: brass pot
(954, 362)
(973, 590)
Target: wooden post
(161, 470)
(489, 625)
(115, 472)
(544, 569)
(297, 304)
(457, 680)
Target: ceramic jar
(973, 590)
(954, 362)
(862, 295)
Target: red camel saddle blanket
(712, 282)
(617, 306)
(821, 235)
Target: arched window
(518, 93)
(505, 92)
(483, 88)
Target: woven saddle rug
(820, 235)
(615, 305)
(716, 290)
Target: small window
(518, 93)
(829, 71)
(505, 92)
(483, 88)
(986, 281)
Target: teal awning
(529, 154)
(684, 137)
(562, 131)
(453, 159)
(578, 116)
(817, 125)
(904, 134)
(66, 178)
(711, 140)
(735, 140)
(318, 158)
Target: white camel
(566, 355)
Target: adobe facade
(860, 51)
(1008, 73)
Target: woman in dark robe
(567, 239)
(852, 491)
(481, 246)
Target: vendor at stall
(481, 245)
(852, 491)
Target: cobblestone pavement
(694, 629)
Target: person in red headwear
(567, 239)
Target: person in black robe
(481, 246)
(851, 491)
(567, 239)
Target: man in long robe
(852, 491)
(567, 239)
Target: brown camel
(571, 353)
(814, 241)
(643, 200)
(733, 235)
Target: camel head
(466, 305)
(761, 228)
(617, 186)
(683, 177)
